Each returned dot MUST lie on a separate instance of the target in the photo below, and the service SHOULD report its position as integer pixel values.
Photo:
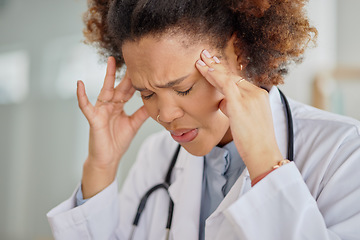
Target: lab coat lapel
(185, 191)
(215, 224)
(241, 186)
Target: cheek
(150, 108)
(208, 99)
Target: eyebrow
(167, 85)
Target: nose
(169, 110)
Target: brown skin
(111, 130)
(151, 63)
(244, 113)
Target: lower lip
(186, 137)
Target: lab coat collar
(280, 120)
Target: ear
(235, 54)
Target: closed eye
(181, 93)
(184, 93)
(146, 97)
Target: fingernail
(77, 83)
(211, 69)
(201, 63)
(207, 54)
(216, 59)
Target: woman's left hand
(248, 109)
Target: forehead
(160, 59)
(155, 50)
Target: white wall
(349, 54)
(37, 143)
(43, 138)
(323, 16)
(348, 32)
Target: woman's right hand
(111, 130)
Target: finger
(124, 90)
(86, 107)
(209, 75)
(247, 87)
(217, 74)
(139, 117)
(223, 107)
(107, 90)
(209, 60)
(244, 84)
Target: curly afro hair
(270, 34)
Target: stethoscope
(165, 185)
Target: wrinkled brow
(166, 85)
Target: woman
(207, 72)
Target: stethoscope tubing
(164, 186)
(290, 125)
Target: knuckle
(260, 96)
(203, 70)
(261, 93)
(80, 104)
(264, 94)
(228, 83)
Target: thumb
(139, 117)
(222, 107)
(86, 107)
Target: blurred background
(43, 135)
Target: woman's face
(164, 72)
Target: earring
(157, 118)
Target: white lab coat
(315, 197)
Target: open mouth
(184, 135)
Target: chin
(198, 149)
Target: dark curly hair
(270, 34)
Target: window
(14, 76)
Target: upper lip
(179, 132)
